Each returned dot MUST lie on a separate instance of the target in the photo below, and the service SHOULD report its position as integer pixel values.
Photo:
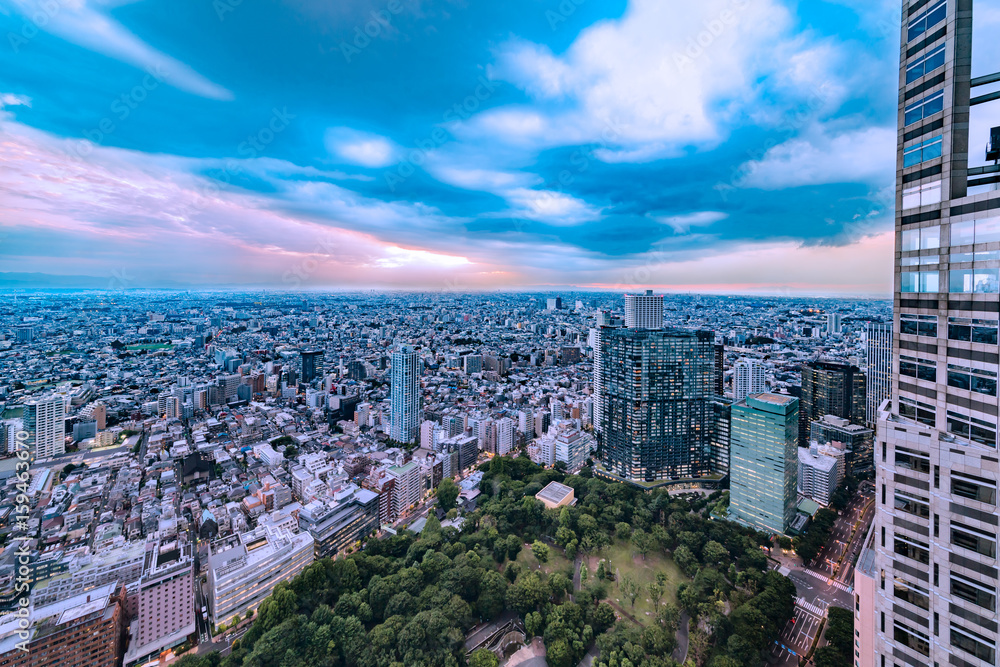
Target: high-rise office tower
(763, 471)
(834, 323)
(405, 395)
(312, 364)
(655, 411)
(748, 379)
(878, 369)
(604, 320)
(934, 573)
(830, 388)
(720, 369)
(644, 311)
(45, 422)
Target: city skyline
(746, 161)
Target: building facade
(644, 311)
(878, 369)
(655, 415)
(748, 379)
(936, 523)
(45, 422)
(830, 388)
(763, 471)
(166, 603)
(405, 395)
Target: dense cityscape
(570, 472)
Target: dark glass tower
(656, 416)
(830, 388)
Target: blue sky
(724, 145)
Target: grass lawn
(625, 560)
(149, 346)
(557, 560)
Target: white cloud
(361, 148)
(663, 77)
(12, 100)
(78, 22)
(682, 224)
(864, 155)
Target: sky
(731, 146)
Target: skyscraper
(763, 471)
(830, 388)
(405, 395)
(312, 364)
(45, 422)
(644, 311)
(878, 369)
(604, 320)
(655, 411)
(748, 379)
(935, 571)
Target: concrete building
(166, 601)
(351, 515)
(244, 568)
(83, 631)
(748, 379)
(830, 388)
(644, 311)
(937, 466)
(405, 395)
(818, 474)
(854, 440)
(878, 369)
(407, 490)
(764, 461)
(45, 422)
(556, 495)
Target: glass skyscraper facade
(830, 388)
(935, 570)
(656, 417)
(763, 470)
(404, 395)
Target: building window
(915, 505)
(974, 281)
(915, 594)
(918, 325)
(972, 379)
(917, 368)
(911, 638)
(972, 429)
(911, 550)
(986, 230)
(922, 152)
(972, 591)
(978, 489)
(922, 238)
(910, 460)
(973, 643)
(974, 331)
(922, 282)
(925, 64)
(926, 21)
(921, 109)
(974, 540)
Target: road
(796, 638)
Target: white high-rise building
(644, 311)
(505, 435)
(405, 395)
(878, 369)
(748, 379)
(834, 323)
(930, 591)
(45, 422)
